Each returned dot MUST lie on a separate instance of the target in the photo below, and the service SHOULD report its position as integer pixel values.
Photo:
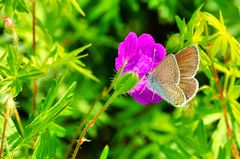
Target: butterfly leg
(143, 89)
(153, 96)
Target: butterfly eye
(147, 75)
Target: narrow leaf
(77, 7)
(104, 153)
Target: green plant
(51, 102)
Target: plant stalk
(229, 130)
(91, 123)
(6, 118)
(34, 49)
(104, 93)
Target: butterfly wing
(172, 93)
(189, 87)
(173, 79)
(169, 91)
(168, 70)
(188, 61)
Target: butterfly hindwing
(189, 87)
(169, 91)
(172, 93)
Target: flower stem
(34, 97)
(229, 130)
(104, 93)
(33, 25)
(91, 123)
(34, 49)
(7, 115)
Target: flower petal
(159, 54)
(126, 49)
(146, 45)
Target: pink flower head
(141, 55)
(8, 23)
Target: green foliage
(76, 44)
(14, 70)
(104, 154)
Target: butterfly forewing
(189, 87)
(167, 70)
(188, 61)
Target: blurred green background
(130, 129)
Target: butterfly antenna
(154, 53)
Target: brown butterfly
(173, 79)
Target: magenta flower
(141, 55)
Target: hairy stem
(229, 130)
(34, 97)
(91, 123)
(7, 115)
(34, 49)
(33, 25)
(104, 93)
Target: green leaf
(144, 151)
(79, 50)
(235, 106)
(17, 87)
(201, 136)
(194, 19)
(52, 93)
(205, 64)
(3, 56)
(10, 6)
(72, 60)
(84, 71)
(104, 153)
(45, 146)
(182, 26)
(171, 154)
(225, 151)
(220, 67)
(182, 149)
(234, 92)
(22, 6)
(12, 136)
(215, 48)
(213, 21)
(77, 7)
(191, 143)
(32, 74)
(43, 119)
(12, 59)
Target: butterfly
(174, 78)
